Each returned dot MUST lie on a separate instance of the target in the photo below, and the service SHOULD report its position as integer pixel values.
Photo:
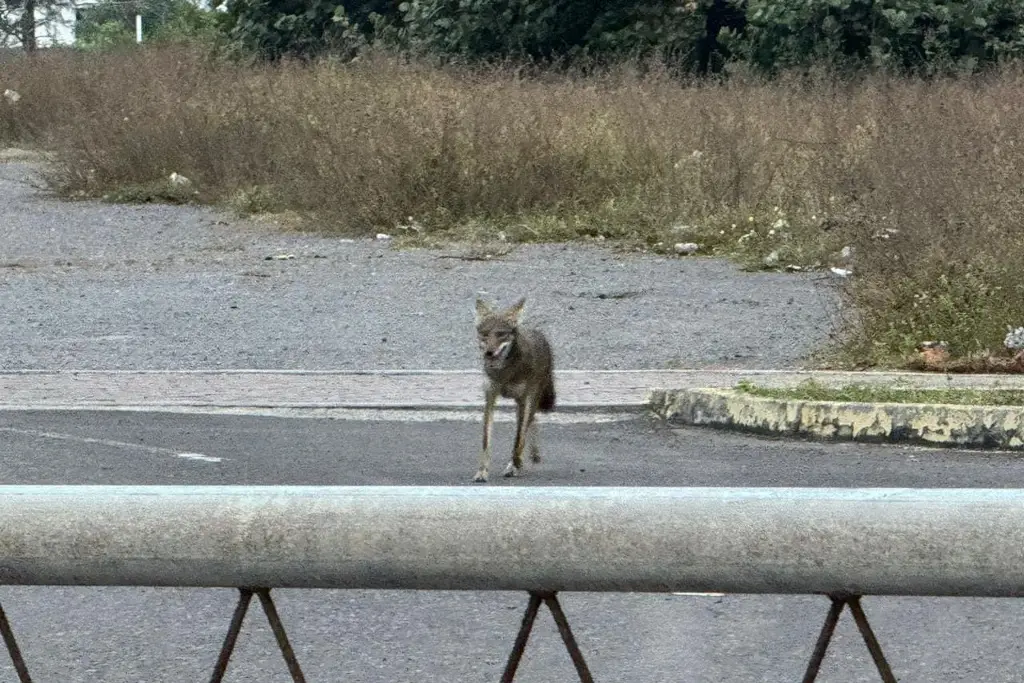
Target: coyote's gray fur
(519, 364)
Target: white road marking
(702, 595)
(156, 450)
(503, 414)
(199, 456)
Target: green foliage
(496, 28)
(473, 29)
(924, 36)
(274, 28)
(609, 29)
(902, 35)
(671, 30)
(112, 24)
(104, 36)
(304, 28)
(185, 23)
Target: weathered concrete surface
(942, 425)
(402, 389)
(925, 542)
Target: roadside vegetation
(862, 393)
(898, 180)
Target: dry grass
(922, 179)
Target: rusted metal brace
(244, 598)
(532, 607)
(839, 601)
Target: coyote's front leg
(485, 454)
(524, 415)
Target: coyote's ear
(515, 311)
(482, 308)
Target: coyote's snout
(519, 365)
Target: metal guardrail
(843, 543)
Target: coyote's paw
(511, 470)
(480, 476)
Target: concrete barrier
(955, 542)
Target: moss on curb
(810, 390)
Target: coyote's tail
(547, 397)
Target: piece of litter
(686, 248)
(179, 180)
(279, 257)
(841, 272)
(1014, 338)
(383, 236)
(199, 456)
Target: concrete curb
(1000, 427)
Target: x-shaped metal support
(12, 648)
(244, 598)
(532, 607)
(839, 601)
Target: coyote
(519, 364)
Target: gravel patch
(88, 285)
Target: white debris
(410, 224)
(686, 248)
(772, 259)
(846, 253)
(11, 96)
(179, 180)
(841, 272)
(383, 236)
(1014, 338)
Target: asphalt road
(72, 635)
(89, 285)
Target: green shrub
(902, 35)
(273, 29)
(554, 29)
(104, 36)
(111, 25)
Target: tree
(20, 18)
